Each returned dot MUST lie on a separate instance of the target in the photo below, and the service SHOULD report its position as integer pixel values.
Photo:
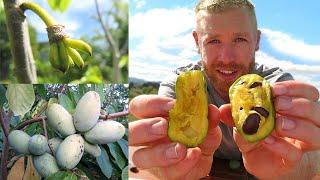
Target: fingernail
(284, 103)
(158, 128)
(269, 140)
(279, 90)
(287, 124)
(168, 106)
(171, 152)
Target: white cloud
(291, 46)
(301, 72)
(139, 3)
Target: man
(227, 38)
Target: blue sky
(161, 40)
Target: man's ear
(258, 40)
(196, 38)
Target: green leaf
(123, 61)
(54, 4)
(104, 163)
(3, 98)
(64, 5)
(66, 102)
(117, 154)
(41, 90)
(82, 89)
(20, 97)
(124, 174)
(124, 146)
(62, 175)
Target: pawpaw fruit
(45, 164)
(93, 149)
(70, 151)
(53, 145)
(105, 132)
(87, 111)
(19, 141)
(188, 119)
(252, 107)
(38, 144)
(60, 120)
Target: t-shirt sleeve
(167, 87)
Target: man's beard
(221, 85)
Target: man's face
(227, 43)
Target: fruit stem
(46, 18)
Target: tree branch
(4, 124)
(5, 147)
(38, 119)
(112, 43)
(18, 32)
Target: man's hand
(159, 155)
(297, 131)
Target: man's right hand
(160, 156)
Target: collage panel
(249, 126)
(64, 41)
(64, 131)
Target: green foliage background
(98, 68)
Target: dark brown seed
(134, 169)
(251, 124)
(262, 111)
(256, 84)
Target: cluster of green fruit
(78, 133)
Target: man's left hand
(297, 131)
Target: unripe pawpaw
(105, 132)
(53, 143)
(19, 141)
(70, 151)
(45, 164)
(188, 122)
(38, 144)
(60, 120)
(92, 149)
(87, 111)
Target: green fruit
(252, 107)
(188, 119)
(53, 143)
(92, 149)
(105, 132)
(45, 164)
(87, 111)
(70, 151)
(60, 120)
(19, 141)
(38, 144)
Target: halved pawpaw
(252, 107)
(188, 122)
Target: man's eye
(240, 39)
(214, 41)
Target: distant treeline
(136, 89)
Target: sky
(161, 40)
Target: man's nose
(227, 54)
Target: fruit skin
(38, 144)
(45, 164)
(54, 144)
(92, 149)
(19, 141)
(70, 151)
(87, 111)
(105, 132)
(243, 94)
(60, 120)
(188, 119)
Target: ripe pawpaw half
(252, 107)
(188, 119)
